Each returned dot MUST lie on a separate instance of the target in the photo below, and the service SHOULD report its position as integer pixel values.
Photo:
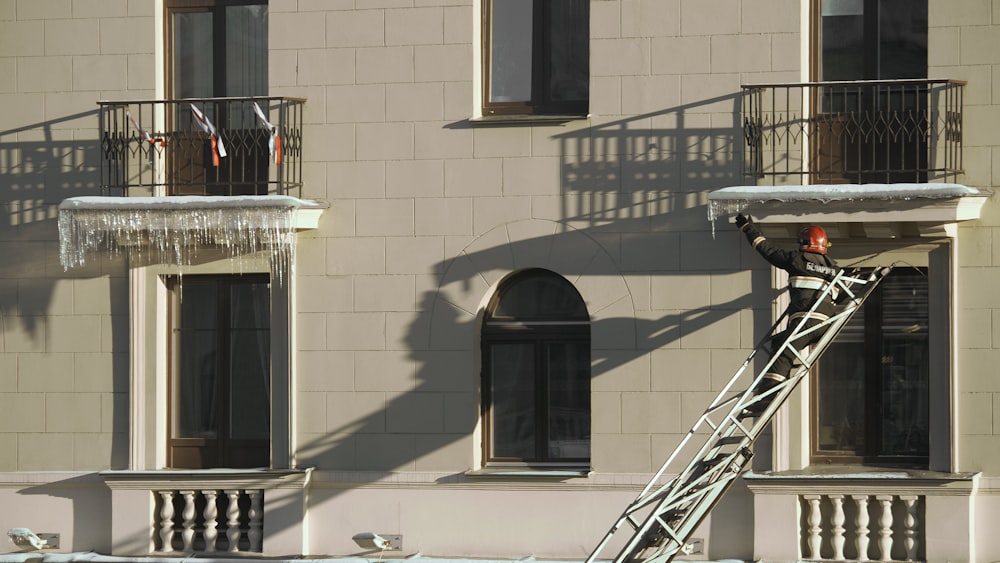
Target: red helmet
(813, 239)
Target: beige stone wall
(963, 45)
(429, 211)
(63, 336)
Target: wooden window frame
(218, 452)
(539, 104)
(539, 333)
(873, 454)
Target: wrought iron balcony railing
(853, 132)
(205, 146)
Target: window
(536, 57)
(217, 49)
(220, 374)
(536, 372)
(871, 133)
(870, 392)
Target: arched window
(536, 372)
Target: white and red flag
(274, 142)
(218, 148)
(144, 135)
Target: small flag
(218, 148)
(274, 142)
(143, 135)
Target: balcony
(863, 514)
(206, 146)
(870, 132)
(256, 512)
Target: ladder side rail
(799, 330)
(691, 517)
(832, 328)
(841, 280)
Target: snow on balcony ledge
(881, 207)
(172, 229)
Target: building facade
(462, 274)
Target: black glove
(743, 222)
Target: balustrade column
(167, 521)
(861, 522)
(256, 532)
(814, 540)
(187, 520)
(233, 520)
(910, 527)
(837, 526)
(885, 528)
(211, 519)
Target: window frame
(221, 451)
(539, 333)
(539, 104)
(874, 335)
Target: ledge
(883, 210)
(213, 478)
(859, 479)
(526, 119)
(305, 213)
(530, 472)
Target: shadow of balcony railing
(864, 132)
(205, 146)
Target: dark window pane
(569, 50)
(843, 45)
(250, 361)
(840, 392)
(199, 306)
(193, 60)
(568, 365)
(539, 297)
(250, 384)
(904, 360)
(902, 43)
(246, 50)
(250, 305)
(511, 51)
(513, 390)
(196, 386)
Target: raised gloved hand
(743, 222)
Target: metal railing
(888, 131)
(203, 146)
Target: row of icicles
(173, 236)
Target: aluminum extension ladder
(663, 517)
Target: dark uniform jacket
(808, 273)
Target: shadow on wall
(87, 494)
(633, 195)
(633, 192)
(40, 165)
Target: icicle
(171, 230)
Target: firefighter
(809, 269)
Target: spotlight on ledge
(371, 540)
(25, 539)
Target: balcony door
(217, 49)
(872, 133)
